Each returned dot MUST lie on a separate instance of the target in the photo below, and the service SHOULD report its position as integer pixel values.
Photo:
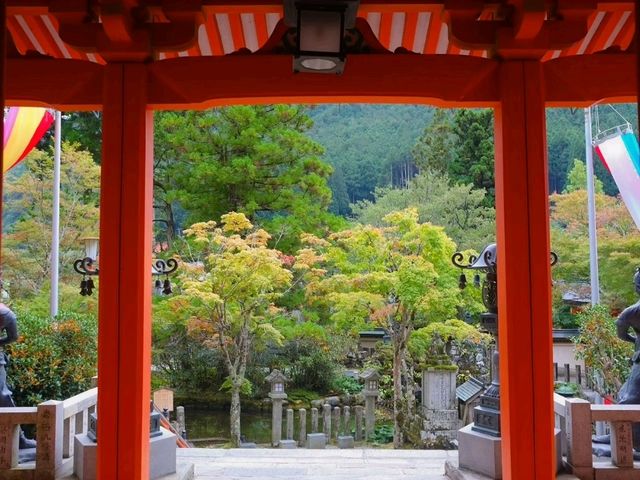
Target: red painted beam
(70, 84)
(437, 79)
(524, 292)
(380, 78)
(581, 80)
(124, 334)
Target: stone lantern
(277, 395)
(371, 392)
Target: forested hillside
(371, 146)
(367, 145)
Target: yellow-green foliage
(605, 355)
(451, 330)
(380, 274)
(53, 359)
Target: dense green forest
(371, 146)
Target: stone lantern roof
(370, 375)
(276, 376)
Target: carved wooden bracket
(128, 30)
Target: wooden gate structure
(131, 57)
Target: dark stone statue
(629, 394)
(9, 334)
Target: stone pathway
(303, 464)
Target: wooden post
(567, 372)
(524, 277)
(124, 332)
(49, 438)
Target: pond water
(210, 426)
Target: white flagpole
(55, 222)
(593, 239)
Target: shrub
(605, 355)
(53, 359)
(348, 385)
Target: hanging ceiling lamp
(320, 25)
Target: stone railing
(57, 422)
(327, 425)
(575, 417)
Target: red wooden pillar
(3, 53)
(124, 347)
(524, 281)
(637, 7)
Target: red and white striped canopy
(417, 28)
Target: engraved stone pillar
(326, 420)
(314, 420)
(303, 426)
(336, 421)
(49, 437)
(276, 421)
(359, 415)
(346, 428)
(289, 424)
(621, 445)
(9, 441)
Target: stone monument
(441, 423)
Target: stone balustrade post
(9, 441)
(578, 423)
(336, 421)
(621, 444)
(359, 415)
(326, 421)
(49, 427)
(289, 424)
(314, 420)
(303, 427)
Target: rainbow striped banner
(621, 155)
(23, 129)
